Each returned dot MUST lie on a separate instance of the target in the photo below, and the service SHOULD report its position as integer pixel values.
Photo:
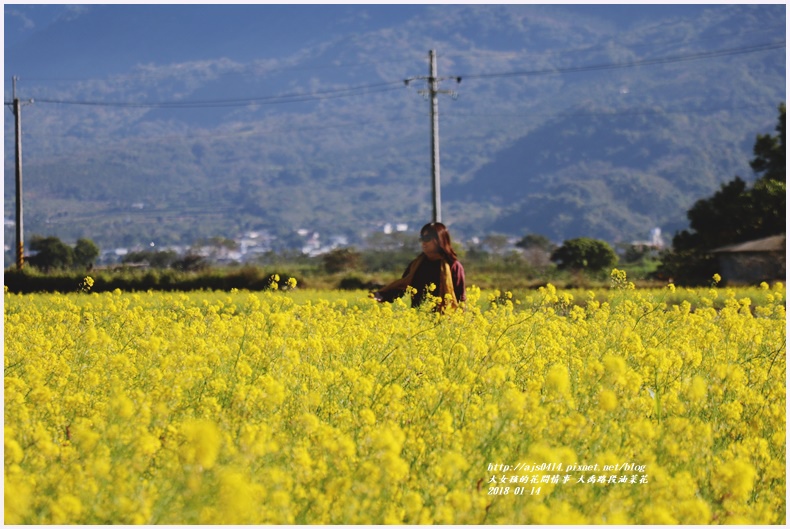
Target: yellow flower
(607, 400)
(367, 417)
(321, 408)
(734, 479)
(557, 379)
(660, 515)
(83, 435)
(66, 510)
(698, 390)
(123, 406)
(17, 500)
(147, 444)
(13, 452)
(202, 442)
(444, 422)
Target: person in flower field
(437, 265)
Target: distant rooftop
(775, 243)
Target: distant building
(753, 262)
(399, 227)
(656, 241)
(655, 238)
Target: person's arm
(391, 294)
(459, 280)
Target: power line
(607, 113)
(243, 70)
(454, 116)
(240, 102)
(633, 64)
(256, 68)
(391, 85)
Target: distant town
(250, 246)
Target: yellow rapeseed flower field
(240, 407)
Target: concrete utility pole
(20, 245)
(436, 188)
(432, 93)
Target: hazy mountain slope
(540, 139)
(596, 173)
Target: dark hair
(439, 230)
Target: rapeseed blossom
(251, 408)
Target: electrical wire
(390, 85)
(603, 113)
(634, 64)
(221, 103)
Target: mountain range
(169, 123)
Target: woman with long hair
(437, 265)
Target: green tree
(341, 260)
(584, 254)
(537, 250)
(154, 259)
(51, 253)
(735, 213)
(191, 262)
(769, 152)
(495, 243)
(85, 253)
(533, 241)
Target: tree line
(735, 213)
(53, 254)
